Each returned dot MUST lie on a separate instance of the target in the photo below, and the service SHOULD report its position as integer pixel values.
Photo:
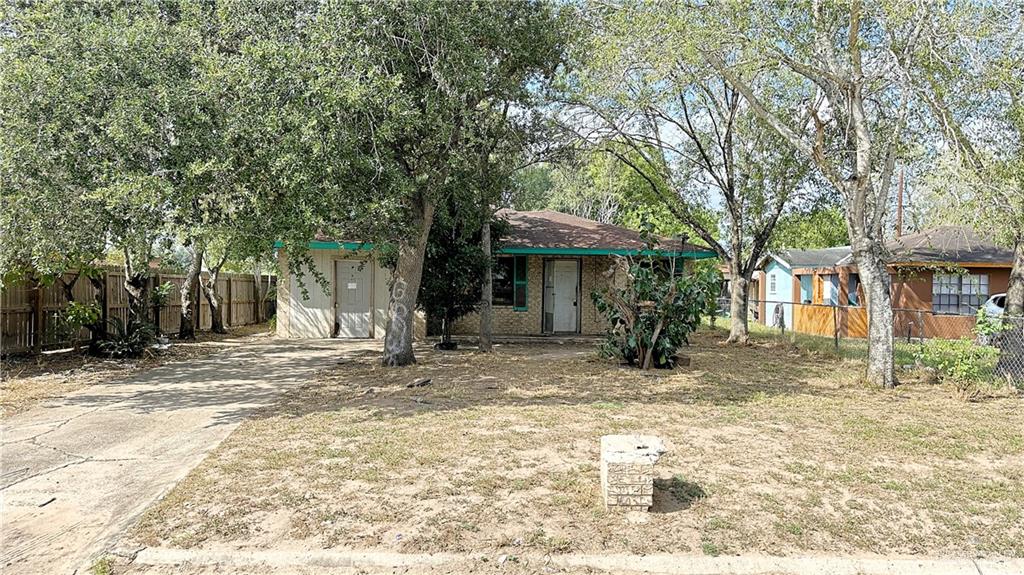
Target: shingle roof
(819, 258)
(554, 232)
(948, 244)
(547, 229)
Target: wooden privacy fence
(30, 316)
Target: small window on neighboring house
(852, 286)
(508, 288)
(830, 289)
(771, 284)
(959, 294)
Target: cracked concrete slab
(78, 470)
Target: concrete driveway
(76, 472)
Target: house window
(519, 284)
(852, 286)
(771, 284)
(959, 293)
(509, 282)
(830, 289)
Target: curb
(667, 564)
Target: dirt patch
(26, 381)
(771, 451)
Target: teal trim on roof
(605, 252)
(351, 246)
(365, 246)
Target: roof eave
(573, 251)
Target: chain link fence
(996, 343)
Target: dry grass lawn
(772, 451)
(26, 381)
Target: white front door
(565, 275)
(352, 303)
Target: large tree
(970, 74)
(92, 117)
(446, 63)
(693, 138)
(853, 65)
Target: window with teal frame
(520, 299)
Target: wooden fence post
(105, 299)
(155, 279)
(835, 324)
(38, 319)
(229, 302)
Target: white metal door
(352, 305)
(564, 293)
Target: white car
(996, 305)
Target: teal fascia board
(351, 246)
(604, 252)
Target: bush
(161, 294)
(129, 339)
(73, 318)
(962, 362)
(82, 314)
(988, 328)
(652, 316)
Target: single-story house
(948, 272)
(544, 272)
(780, 284)
(940, 277)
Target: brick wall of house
(508, 321)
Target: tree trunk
(446, 333)
(1015, 288)
(98, 330)
(874, 276)
(738, 329)
(486, 295)
(136, 283)
(405, 287)
(216, 301)
(186, 327)
(213, 297)
(261, 294)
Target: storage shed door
(352, 304)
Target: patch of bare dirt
(772, 450)
(28, 380)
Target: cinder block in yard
(627, 470)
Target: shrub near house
(652, 315)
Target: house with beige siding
(543, 275)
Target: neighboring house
(940, 277)
(948, 271)
(544, 273)
(788, 277)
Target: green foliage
(818, 227)
(963, 362)
(456, 267)
(109, 82)
(653, 314)
(161, 294)
(127, 339)
(986, 326)
(82, 314)
(73, 318)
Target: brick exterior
(508, 321)
(627, 471)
